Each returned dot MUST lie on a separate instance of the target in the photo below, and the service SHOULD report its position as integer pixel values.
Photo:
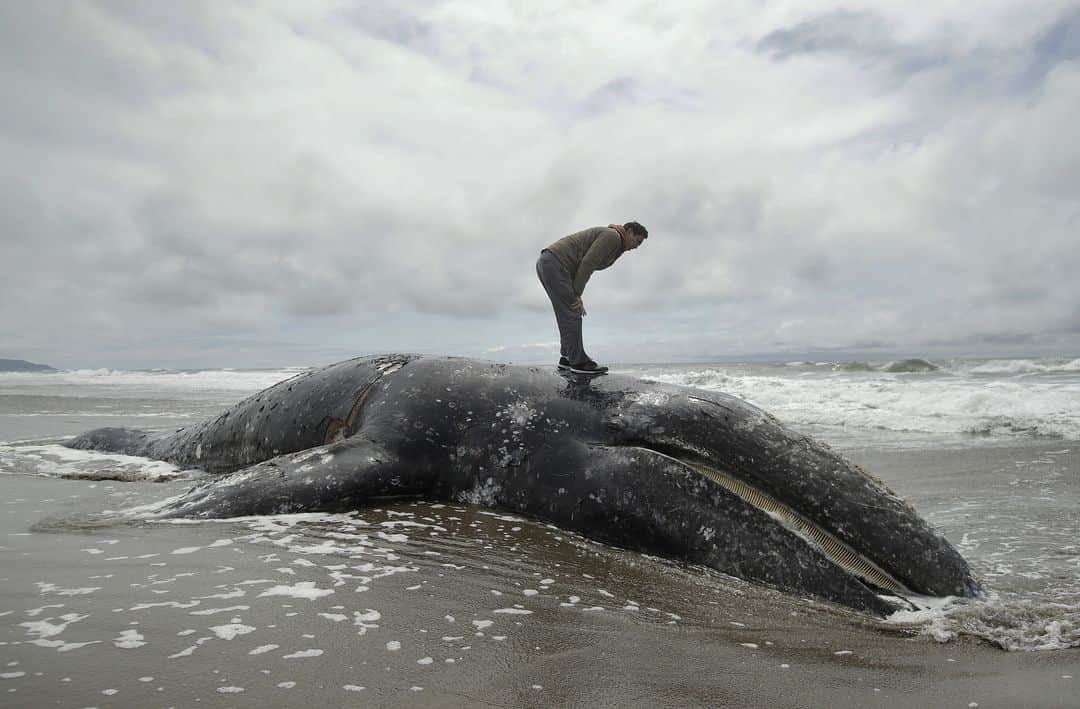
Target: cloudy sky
(291, 183)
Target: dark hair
(638, 229)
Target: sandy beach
(463, 608)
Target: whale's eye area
(837, 551)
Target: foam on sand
(55, 460)
(303, 589)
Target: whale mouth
(834, 549)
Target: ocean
(433, 604)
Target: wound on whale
(678, 472)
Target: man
(566, 266)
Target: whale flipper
(341, 476)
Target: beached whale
(684, 473)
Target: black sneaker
(588, 367)
(564, 363)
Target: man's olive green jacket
(592, 249)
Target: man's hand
(578, 306)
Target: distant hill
(21, 365)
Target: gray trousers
(560, 290)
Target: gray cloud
(389, 21)
(1059, 42)
(863, 34)
(979, 71)
(222, 184)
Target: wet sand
(434, 605)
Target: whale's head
(834, 508)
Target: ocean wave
(108, 414)
(157, 380)
(901, 366)
(1007, 426)
(957, 406)
(853, 367)
(911, 365)
(1006, 367)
